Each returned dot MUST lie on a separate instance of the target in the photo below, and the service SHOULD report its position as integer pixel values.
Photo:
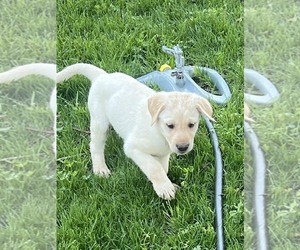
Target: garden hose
(218, 184)
(268, 95)
(259, 188)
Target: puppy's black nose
(182, 147)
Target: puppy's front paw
(101, 171)
(165, 190)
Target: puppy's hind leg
(98, 127)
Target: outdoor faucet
(179, 63)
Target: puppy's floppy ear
(155, 106)
(204, 107)
(247, 112)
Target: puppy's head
(177, 115)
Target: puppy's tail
(88, 70)
(44, 69)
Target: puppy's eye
(191, 125)
(170, 126)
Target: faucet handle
(177, 53)
(168, 50)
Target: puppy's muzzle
(182, 148)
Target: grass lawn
(272, 34)
(27, 171)
(123, 211)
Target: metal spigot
(179, 63)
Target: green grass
(27, 172)
(123, 211)
(272, 48)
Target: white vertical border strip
(27, 124)
(272, 48)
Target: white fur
(141, 117)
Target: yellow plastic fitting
(164, 67)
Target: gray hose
(218, 184)
(267, 89)
(259, 188)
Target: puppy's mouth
(180, 153)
